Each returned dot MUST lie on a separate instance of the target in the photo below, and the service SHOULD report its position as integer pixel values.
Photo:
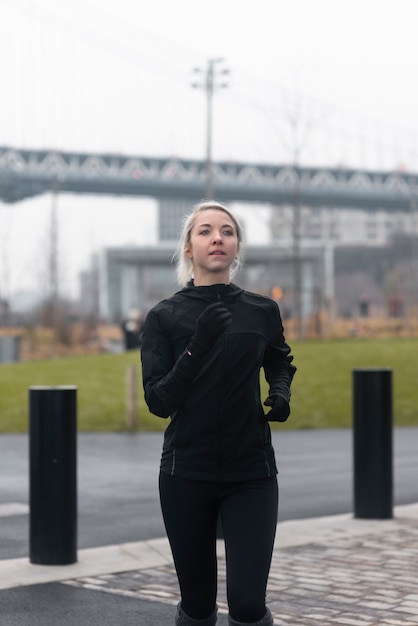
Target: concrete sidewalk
(325, 571)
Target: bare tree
(53, 311)
(299, 124)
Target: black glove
(280, 409)
(211, 324)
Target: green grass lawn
(321, 393)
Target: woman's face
(213, 247)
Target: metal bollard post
(53, 475)
(373, 448)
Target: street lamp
(209, 84)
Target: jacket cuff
(196, 348)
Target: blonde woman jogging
(202, 352)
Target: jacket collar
(212, 292)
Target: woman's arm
(277, 363)
(166, 379)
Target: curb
(156, 552)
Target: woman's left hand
(280, 409)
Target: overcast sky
(115, 76)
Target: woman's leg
(249, 519)
(190, 512)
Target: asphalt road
(118, 473)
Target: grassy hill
(322, 389)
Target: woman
(202, 352)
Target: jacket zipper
(219, 455)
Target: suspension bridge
(27, 173)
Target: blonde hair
(184, 265)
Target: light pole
(209, 84)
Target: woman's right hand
(210, 325)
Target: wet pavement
(328, 567)
(325, 571)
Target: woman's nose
(217, 238)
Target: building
(141, 276)
(343, 227)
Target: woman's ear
(188, 251)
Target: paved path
(327, 568)
(118, 476)
(325, 571)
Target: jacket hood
(211, 292)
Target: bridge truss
(28, 173)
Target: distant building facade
(330, 241)
(141, 277)
(343, 227)
(170, 216)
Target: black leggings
(248, 513)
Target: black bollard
(53, 475)
(373, 448)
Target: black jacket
(218, 430)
